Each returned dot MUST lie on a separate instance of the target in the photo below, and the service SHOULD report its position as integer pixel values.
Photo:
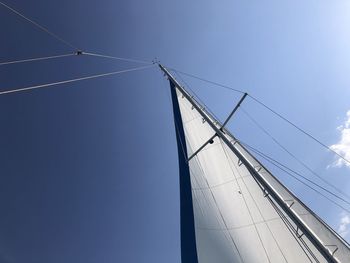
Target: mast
(337, 251)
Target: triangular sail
(241, 212)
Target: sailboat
(233, 209)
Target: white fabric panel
(325, 234)
(234, 221)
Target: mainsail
(239, 212)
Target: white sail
(235, 220)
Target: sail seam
(239, 227)
(261, 214)
(209, 204)
(216, 205)
(291, 229)
(281, 215)
(218, 185)
(221, 215)
(218, 209)
(245, 202)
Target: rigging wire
(191, 75)
(271, 110)
(65, 41)
(118, 58)
(74, 54)
(292, 230)
(290, 153)
(72, 80)
(298, 174)
(36, 59)
(286, 170)
(208, 81)
(40, 26)
(299, 129)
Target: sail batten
(242, 213)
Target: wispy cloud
(344, 225)
(343, 146)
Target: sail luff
(281, 195)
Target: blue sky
(89, 170)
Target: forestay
(236, 218)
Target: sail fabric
(235, 220)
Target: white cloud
(344, 225)
(343, 146)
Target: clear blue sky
(89, 171)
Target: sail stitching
(291, 229)
(195, 118)
(256, 205)
(223, 220)
(207, 201)
(215, 202)
(245, 202)
(218, 208)
(282, 216)
(243, 226)
(218, 185)
(183, 152)
(303, 223)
